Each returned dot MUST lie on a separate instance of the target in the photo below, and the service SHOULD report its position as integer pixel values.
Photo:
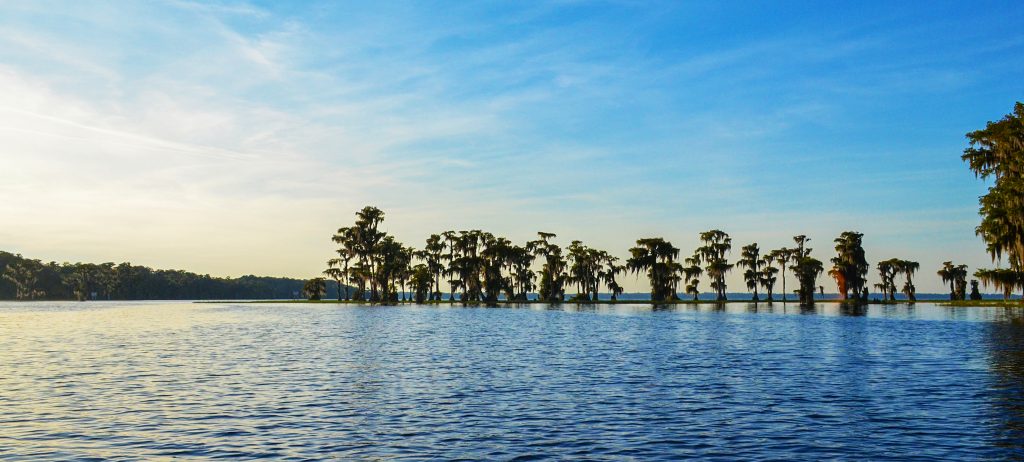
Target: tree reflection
(1006, 349)
(852, 309)
(806, 309)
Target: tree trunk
(783, 283)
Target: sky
(234, 138)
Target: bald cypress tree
(997, 153)
(849, 266)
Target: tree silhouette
(391, 262)
(315, 288)
(805, 268)
(521, 262)
(782, 257)
(25, 275)
(610, 270)
(768, 277)
(975, 294)
(346, 240)
(423, 280)
(656, 257)
(1002, 279)
(450, 238)
(908, 268)
(750, 258)
(849, 267)
(485, 267)
(495, 255)
(997, 152)
(587, 269)
(887, 270)
(691, 274)
(712, 255)
(335, 274)
(956, 276)
(552, 273)
(367, 237)
(433, 256)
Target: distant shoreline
(951, 303)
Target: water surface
(155, 380)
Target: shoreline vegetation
(992, 303)
(481, 268)
(23, 278)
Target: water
(239, 381)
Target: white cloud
(223, 138)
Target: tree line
(478, 266)
(482, 267)
(29, 279)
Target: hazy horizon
(234, 138)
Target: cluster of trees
(997, 153)
(887, 272)
(478, 266)
(28, 279)
(956, 277)
(483, 267)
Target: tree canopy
(997, 153)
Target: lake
(152, 380)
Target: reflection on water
(1006, 348)
(734, 381)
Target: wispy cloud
(232, 137)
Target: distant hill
(124, 281)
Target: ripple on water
(133, 381)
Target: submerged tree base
(955, 303)
(982, 303)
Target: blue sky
(234, 137)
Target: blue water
(157, 380)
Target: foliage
(849, 266)
(956, 276)
(124, 281)
(691, 276)
(1004, 280)
(887, 271)
(768, 277)
(611, 269)
(780, 256)
(433, 257)
(805, 268)
(315, 288)
(423, 279)
(588, 270)
(975, 294)
(711, 254)
(750, 258)
(552, 273)
(657, 257)
(997, 153)
(24, 275)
